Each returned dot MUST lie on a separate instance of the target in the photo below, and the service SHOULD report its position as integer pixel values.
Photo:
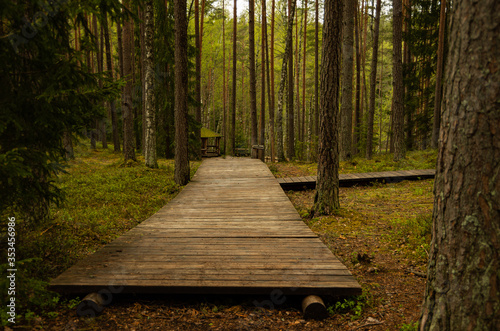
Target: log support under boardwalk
(313, 307)
(91, 306)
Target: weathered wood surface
(345, 180)
(231, 230)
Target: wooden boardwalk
(231, 230)
(309, 182)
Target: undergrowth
(104, 199)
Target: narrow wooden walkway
(345, 180)
(231, 230)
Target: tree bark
(233, 96)
(316, 69)
(181, 173)
(224, 125)
(464, 269)
(326, 200)
(439, 76)
(271, 106)
(283, 78)
(109, 65)
(357, 109)
(303, 127)
(397, 81)
(128, 120)
(197, 92)
(373, 82)
(262, 127)
(150, 136)
(347, 73)
(290, 148)
(251, 59)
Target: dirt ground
(393, 282)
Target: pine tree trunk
(109, 65)
(289, 107)
(263, 83)
(224, 126)
(326, 200)
(197, 92)
(128, 120)
(272, 99)
(283, 78)
(251, 59)
(316, 69)
(345, 136)
(439, 76)
(373, 82)
(397, 82)
(181, 173)
(233, 100)
(150, 137)
(464, 269)
(357, 109)
(303, 127)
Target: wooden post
(91, 306)
(314, 308)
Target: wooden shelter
(210, 143)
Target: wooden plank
(231, 230)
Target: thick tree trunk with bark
(127, 114)
(345, 137)
(150, 136)
(251, 59)
(181, 174)
(439, 76)
(373, 82)
(463, 284)
(326, 200)
(397, 82)
(197, 92)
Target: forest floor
(381, 233)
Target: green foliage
(352, 305)
(412, 235)
(47, 90)
(103, 200)
(409, 327)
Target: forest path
(231, 230)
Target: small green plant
(409, 327)
(352, 305)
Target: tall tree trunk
(397, 81)
(271, 106)
(233, 96)
(326, 200)
(303, 134)
(345, 136)
(150, 137)
(109, 65)
(263, 82)
(464, 269)
(290, 148)
(439, 76)
(373, 82)
(251, 59)
(128, 120)
(316, 69)
(357, 108)
(181, 173)
(283, 78)
(143, 80)
(270, 72)
(224, 132)
(197, 92)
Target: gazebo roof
(206, 133)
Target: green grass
(104, 199)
